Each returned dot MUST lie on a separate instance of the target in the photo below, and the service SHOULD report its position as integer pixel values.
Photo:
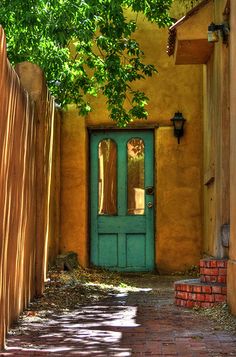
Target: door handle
(149, 204)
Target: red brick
(222, 263)
(181, 287)
(177, 302)
(209, 297)
(213, 263)
(209, 279)
(206, 263)
(220, 298)
(189, 288)
(200, 297)
(211, 271)
(221, 279)
(203, 271)
(182, 303)
(177, 286)
(216, 289)
(190, 304)
(192, 296)
(197, 289)
(182, 295)
(206, 289)
(222, 271)
(202, 263)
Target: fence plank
(26, 164)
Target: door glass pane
(107, 182)
(135, 185)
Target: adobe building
(131, 198)
(135, 199)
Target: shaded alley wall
(216, 178)
(28, 200)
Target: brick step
(195, 293)
(213, 270)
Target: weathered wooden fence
(29, 185)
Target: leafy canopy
(107, 58)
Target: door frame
(97, 128)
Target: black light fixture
(213, 32)
(178, 123)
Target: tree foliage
(107, 58)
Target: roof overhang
(188, 36)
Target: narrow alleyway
(140, 320)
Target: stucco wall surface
(74, 185)
(177, 167)
(178, 220)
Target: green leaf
(84, 47)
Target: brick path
(140, 323)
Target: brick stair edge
(213, 271)
(207, 291)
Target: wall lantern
(213, 32)
(178, 123)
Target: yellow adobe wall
(178, 233)
(74, 185)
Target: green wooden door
(122, 199)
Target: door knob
(149, 204)
(149, 190)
